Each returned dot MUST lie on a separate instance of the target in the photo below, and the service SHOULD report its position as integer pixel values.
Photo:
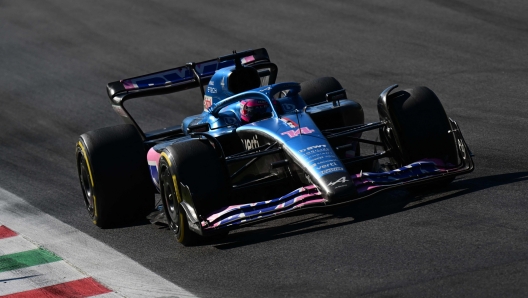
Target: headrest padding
(243, 79)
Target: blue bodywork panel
(291, 127)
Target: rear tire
(421, 127)
(114, 176)
(314, 91)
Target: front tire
(193, 164)
(171, 198)
(421, 127)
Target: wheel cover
(87, 188)
(172, 211)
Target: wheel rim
(87, 187)
(172, 211)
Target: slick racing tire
(114, 175)
(421, 127)
(193, 164)
(314, 91)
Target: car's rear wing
(185, 77)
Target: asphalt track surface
(468, 240)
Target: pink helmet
(254, 109)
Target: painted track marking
(106, 265)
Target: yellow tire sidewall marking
(87, 163)
(178, 197)
(174, 180)
(85, 156)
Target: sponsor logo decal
(293, 133)
(331, 170)
(289, 122)
(311, 148)
(321, 159)
(206, 67)
(251, 143)
(312, 159)
(170, 76)
(288, 107)
(331, 164)
(340, 180)
(211, 90)
(208, 102)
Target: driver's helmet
(252, 110)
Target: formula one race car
(259, 148)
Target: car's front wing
(421, 172)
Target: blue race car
(260, 149)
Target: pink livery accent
(248, 59)
(153, 157)
(237, 214)
(293, 133)
(153, 163)
(128, 84)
